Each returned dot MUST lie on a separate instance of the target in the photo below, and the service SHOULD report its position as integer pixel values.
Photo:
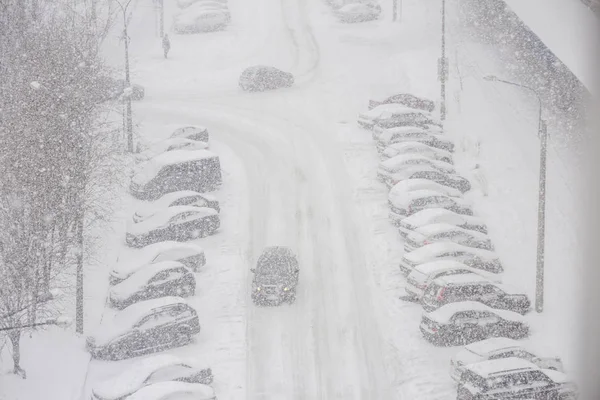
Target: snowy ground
(298, 171)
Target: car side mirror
(253, 270)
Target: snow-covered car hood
(124, 320)
(139, 279)
(133, 378)
(147, 254)
(447, 311)
(167, 390)
(161, 219)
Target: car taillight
(426, 242)
(440, 295)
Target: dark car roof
(274, 257)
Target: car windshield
(332, 135)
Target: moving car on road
(166, 278)
(474, 287)
(513, 378)
(469, 321)
(405, 99)
(413, 134)
(498, 348)
(408, 203)
(261, 77)
(475, 258)
(452, 180)
(146, 327)
(179, 223)
(181, 198)
(353, 13)
(422, 275)
(275, 276)
(434, 233)
(198, 170)
(397, 149)
(150, 370)
(438, 216)
(174, 391)
(198, 19)
(189, 254)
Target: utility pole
(539, 279)
(79, 276)
(162, 17)
(129, 124)
(443, 65)
(541, 228)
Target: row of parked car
(197, 16)
(148, 292)
(354, 11)
(449, 260)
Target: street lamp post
(543, 135)
(443, 65)
(129, 123)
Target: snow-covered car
(498, 348)
(474, 287)
(150, 370)
(199, 133)
(411, 185)
(199, 19)
(452, 180)
(397, 149)
(181, 198)
(170, 145)
(353, 13)
(391, 171)
(466, 322)
(165, 278)
(198, 170)
(406, 129)
(174, 391)
(275, 276)
(476, 258)
(146, 327)
(108, 88)
(405, 204)
(438, 216)
(187, 3)
(189, 254)
(422, 275)
(261, 77)
(395, 115)
(434, 233)
(514, 378)
(413, 134)
(179, 223)
(405, 99)
(210, 5)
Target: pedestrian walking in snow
(481, 179)
(166, 44)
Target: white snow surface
(170, 390)
(297, 169)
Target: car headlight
(285, 289)
(258, 289)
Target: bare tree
(55, 156)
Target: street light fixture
(543, 135)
